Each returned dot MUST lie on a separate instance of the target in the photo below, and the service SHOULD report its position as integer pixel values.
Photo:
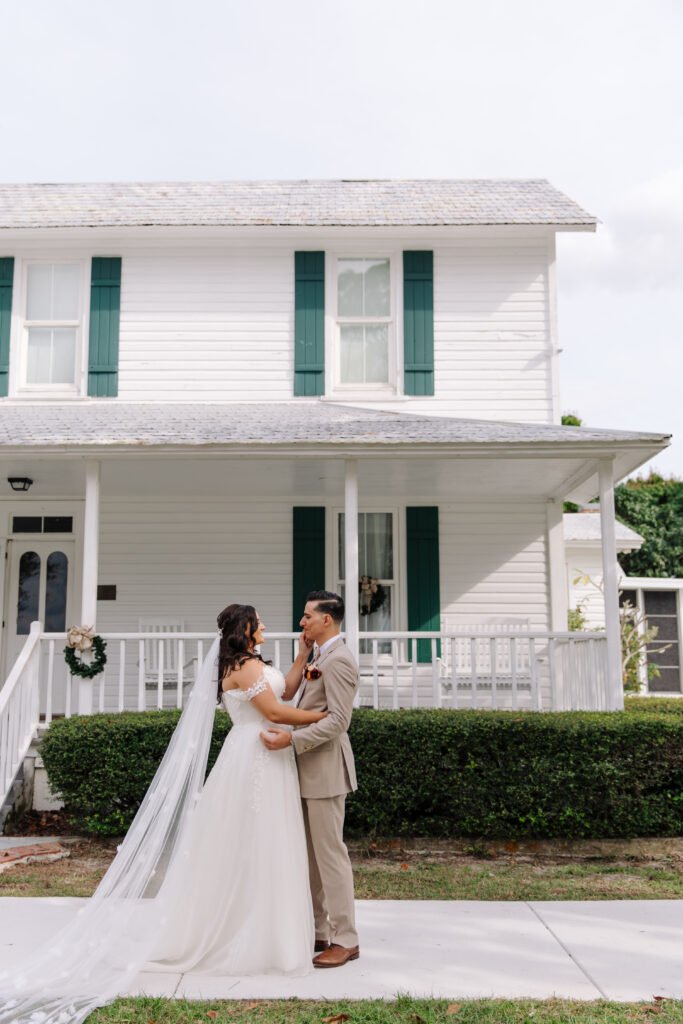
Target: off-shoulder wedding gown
(210, 877)
(241, 898)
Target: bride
(243, 901)
(210, 877)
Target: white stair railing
(19, 711)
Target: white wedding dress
(210, 877)
(241, 898)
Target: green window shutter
(105, 305)
(6, 279)
(309, 323)
(422, 565)
(418, 323)
(308, 557)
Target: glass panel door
(375, 588)
(28, 591)
(38, 588)
(56, 579)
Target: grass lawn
(419, 877)
(471, 878)
(403, 1011)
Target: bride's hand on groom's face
(305, 645)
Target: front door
(40, 586)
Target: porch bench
(423, 693)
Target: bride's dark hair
(238, 623)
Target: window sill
(47, 396)
(365, 396)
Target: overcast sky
(586, 93)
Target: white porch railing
(514, 671)
(19, 709)
(496, 670)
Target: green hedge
(426, 772)
(655, 705)
(103, 764)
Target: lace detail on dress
(238, 703)
(260, 686)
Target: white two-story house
(242, 391)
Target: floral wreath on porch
(84, 638)
(372, 595)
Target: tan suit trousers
(330, 870)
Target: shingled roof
(344, 203)
(585, 527)
(103, 424)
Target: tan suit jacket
(324, 756)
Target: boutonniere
(313, 672)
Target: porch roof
(400, 448)
(303, 203)
(120, 424)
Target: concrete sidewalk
(627, 950)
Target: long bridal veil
(98, 954)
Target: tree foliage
(569, 419)
(653, 506)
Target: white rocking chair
(152, 651)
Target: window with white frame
(376, 567)
(364, 340)
(52, 325)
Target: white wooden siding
(491, 330)
(493, 347)
(586, 561)
(189, 559)
(493, 564)
(207, 325)
(218, 325)
(210, 320)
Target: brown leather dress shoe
(336, 956)
(320, 945)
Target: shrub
(438, 773)
(655, 705)
(510, 775)
(102, 764)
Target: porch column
(611, 585)
(91, 537)
(351, 553)
(559, 602)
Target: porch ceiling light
(19, 483)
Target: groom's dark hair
(328, 603)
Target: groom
(326, 774)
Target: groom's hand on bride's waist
(276, 739)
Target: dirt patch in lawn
(412, 868)
(75, 875)
(444, 851)
(40, 823)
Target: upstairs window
(364, 342)
(52, 326)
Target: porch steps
(20, 794)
